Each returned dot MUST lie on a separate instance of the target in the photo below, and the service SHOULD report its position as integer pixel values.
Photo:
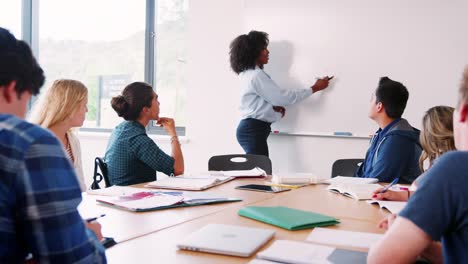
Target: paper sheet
(296, 252)
(343, 238)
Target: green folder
(287, 218)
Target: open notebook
(253, 173)
(355, 191)
(350, 180)
(157, 200)
(393, 206)
(191, 183)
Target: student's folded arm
(52, 224)
(402, 243)
(392, 157)
(273, 94)
(149, 153)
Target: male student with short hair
(394, 149)
(39, 192)
(438, 211)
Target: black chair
(100, 174)
(239, 162)
(345, 167)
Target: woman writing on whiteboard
(262, 100)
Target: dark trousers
(252, 135)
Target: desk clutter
(263, 213)
(245, 241)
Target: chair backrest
(239, 162)
(345, 167)
(100, 173)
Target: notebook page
(343, 238)
(393, 206)
(361, 191)
(241, 173)
(350, 180)
(183, 183)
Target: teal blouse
(132, 157)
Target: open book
(191, 183)
(350, 180)
(393, 206)
(286, 251)
(157, 200)
(356, 191)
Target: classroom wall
(420, 43)
(214, 95)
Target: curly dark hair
(245, 50)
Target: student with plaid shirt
(132, 157)
(39, 192)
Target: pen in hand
(389, 186)
(89, 220)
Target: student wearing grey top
(263, 101)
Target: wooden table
(160, 247)
(124, 225)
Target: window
(171, 58)
(108, 44)
(100, 43)
(10, 16)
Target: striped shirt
(39, 195)
(132, 157)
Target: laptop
(227, 240)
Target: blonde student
(63, 107)
(434, 224)
(436, 139)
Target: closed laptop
(227, 240)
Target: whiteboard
(421, 43)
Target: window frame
(30, 34)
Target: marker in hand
(89, 220)
(389, 186)
(327, 78)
